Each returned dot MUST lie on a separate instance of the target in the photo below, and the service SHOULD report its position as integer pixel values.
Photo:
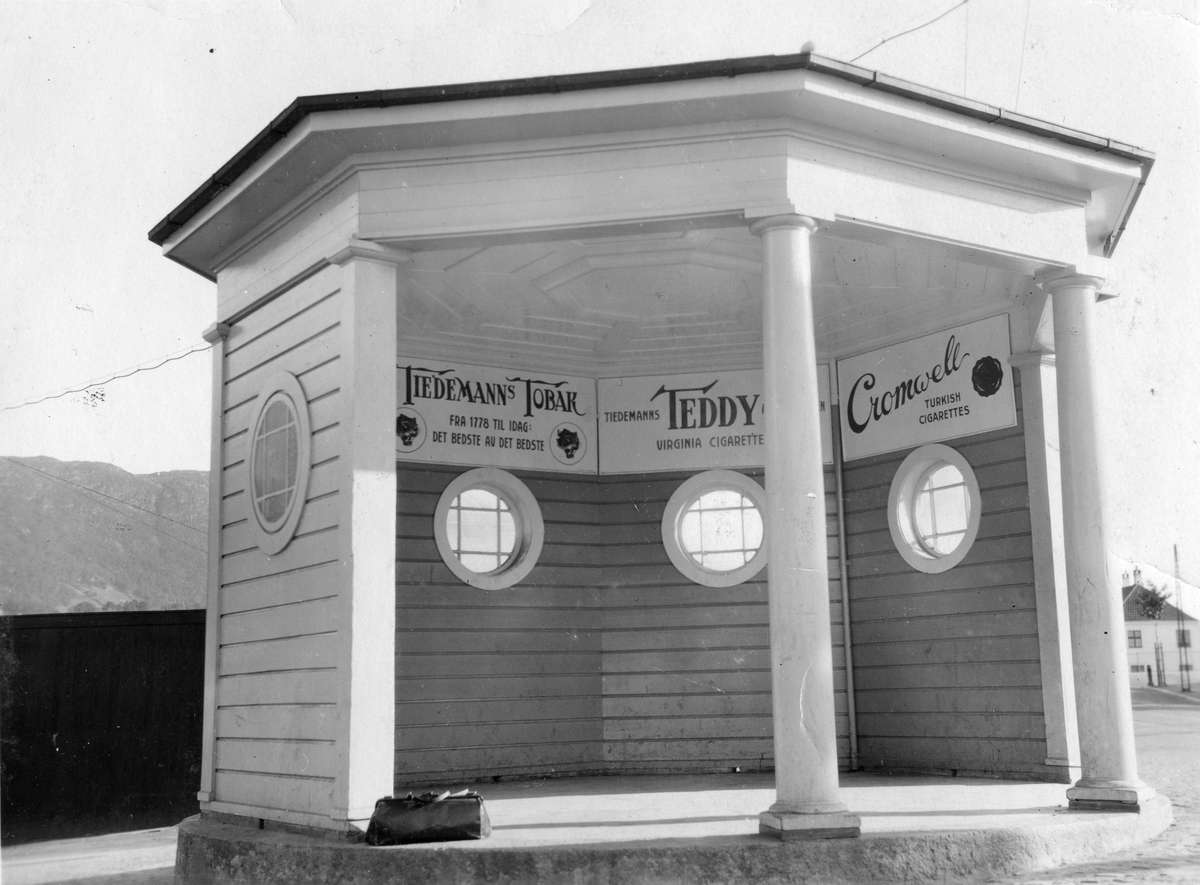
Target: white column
(1039, 406)
(807, 804)
(214, 335)
(1102, 699)
(367, 691)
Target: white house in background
(729, 414)
(1175, 630)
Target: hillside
(65, 548)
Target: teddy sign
(690, 422)
(453, 413)
(938, 387)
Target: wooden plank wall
(946, 667)
(276, 715)
(604, 660)
(497, 683)
(687, 680)
(103, 732)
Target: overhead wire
(110, 497)
(110, 507)
(910, 30)
(123, 373)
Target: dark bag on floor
(429, 818)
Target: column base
(795, 827)
(1112, 796)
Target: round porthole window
(488, 528)
(713, 528)
(934, 508)
(279, 461)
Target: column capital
(1032, 358)
(771, 222)
(369, 251)
(216, 332)
(1069, 280)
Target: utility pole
(1183, 637)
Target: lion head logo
(567, 440)
(407, 428)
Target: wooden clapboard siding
(503, 682)
(316, 229)
(277, 713)
(604, 659)
(946, 666)
(687, 668)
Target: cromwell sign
(950, 384)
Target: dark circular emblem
(410, 430)
(567, 443)
(987, 376)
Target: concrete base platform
(698, 829)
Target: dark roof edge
(278, 128)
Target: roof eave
(304, 106)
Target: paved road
(1167, 725)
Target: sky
(115, 111)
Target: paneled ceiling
(637, 304)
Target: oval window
(489, 528)
(713, 528)
(279, 455)
(934, 508)
(276, 459)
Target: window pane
(721, 530)
(508, 532)
(478, 529)
(293, 454)
(273, 507)
(923, 513)
(720, 498)
(723, 562)
(276, 416)
(260, 467)
(947, 543)
(752, 520)
(480, 562)
(276, 462)
(689, 531)
(944, 475)
(481, 498)
(950, 505)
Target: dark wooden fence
(101, 722)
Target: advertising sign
(696, 421)
(452, 413)
(937, 387)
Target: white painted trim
(215, 335)
(275, 536)
(684, 497)
(297, 818)
(369, 251)
(839, 471)
(900, 504)
(366, 647)
(531, 530)
(1039, 407)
